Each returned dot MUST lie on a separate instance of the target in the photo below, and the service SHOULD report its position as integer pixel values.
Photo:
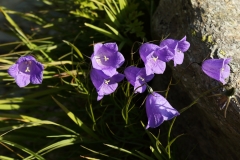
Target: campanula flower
(26, 70)
(177, 48)
(151, 55)
(138, 78)
(217, 69)
(103, 83)
(158, 110)
(107, 58)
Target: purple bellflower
(217, 69)
(107, 58)
(138, 78)
(152, 56)
(26, 70)
(177, 49)
(158, 110)
(103, 83)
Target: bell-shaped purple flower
(152, 56)
(26, 70)
(217, 69)
(103, 83)
(107, 58)
(138, 78)
(177, 49)
(158, 110)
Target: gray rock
(212, 28)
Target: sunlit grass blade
(75, 48)
(6, 158)
(99, 153)
(114, 31)
(33, 121)
(103, 31)
(124, 150)
(57, 145)
(122, 4)
(76, 120)
(35, 155)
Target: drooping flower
(217, 69)
(26, 70)
(103, 83)
(151, 55)
(107, 58)
(177, 48)
(137, 77)
(158, 110)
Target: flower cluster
(106, 59)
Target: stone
(212, 28)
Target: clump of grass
(61, 119)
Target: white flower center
(155, 58)
(27, 69)
(28, 63)
(106, 81)
(98, 59)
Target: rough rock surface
(212, 28)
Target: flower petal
(171, 43)
(130, 73)
(183, 45)
(217, 69)
(13, 70)
(178, 58)
(97, 77)
(165, 54)
(36, 73)
(146, 49)
(111, 45)
(158, 110)
(22, 79)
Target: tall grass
(61, 119)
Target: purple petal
(113, 46)
(178, 58)
(154, 65)
(36, 73)
(183, 45)
(170, 43)
(116, 78)
(22, 79)
(165, 54)
(106, 89)
(139, 86)
(119, 60)
(13, 70)
(97, 77)
(158, 110)
(100, 97)
(146, 49)
(130, 73)
(97, 46)
(217, 69)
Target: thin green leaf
(103, 31)
(76, 119)
(35, 155)
(75, 48)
